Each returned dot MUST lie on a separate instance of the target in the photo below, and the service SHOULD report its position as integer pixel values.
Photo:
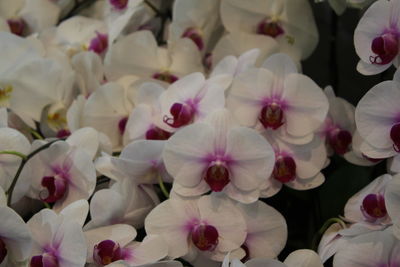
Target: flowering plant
(166, 133)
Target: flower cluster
(150, 133)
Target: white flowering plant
(205, 133)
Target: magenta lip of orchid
(340, 140)
(49, 258)
(119, 4)
(182, 113)
(195, 36)
(107, 251)
(217, 174)
(385, 47)
(395, 136)
(17, 26)
(56, 185)
(285, 168)
(203, 235)
(165, 77)
(272, 112)
(99, 44)
(270, 28)
(44, 260)
(122, 125)
(155, 133)
(373, 207)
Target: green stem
(36, 134)
(323, 229)
(15, 153)
(21, 166)
(47, 205)
(153, 7)
(162, 186)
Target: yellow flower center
(5, 93)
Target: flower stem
(15, 153)
(21, 166)
(162, 186)
(323, 229)
(36, 134)
(152, 7)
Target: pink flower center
(44, 260)
(205, 237)
(270, 28)
(195, 36)
(339, 140)
(385, 47)
(373, 206)
(107, 251)
(395, 136)
(271, 116)
(63, 133)
(99, 44)
(56, 187)
(122, 125)
(182, 114)
(119, 4)
(284, 169)
(217, 176)
(165, 77)
(156, 133)
(17, 26)
(3, 251)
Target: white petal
(247, 92)
(266, 230)
(303, 258)
(376, 113)
(185, 57)
(264, 263)
(119, 62)
(253, 158)
(169, 220)
(151, 249)
(392, 200)
(86, 139)
(226, 218)
(15, 234)
(76, 211)
(232, 45)
(306, 184)
(370, 26)
(185, 151)
(372, 249)
(280, 65)
(106, 205)
(40, 15)
(72, 250)
(308, 105)
(90, 72)
(330, 242)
